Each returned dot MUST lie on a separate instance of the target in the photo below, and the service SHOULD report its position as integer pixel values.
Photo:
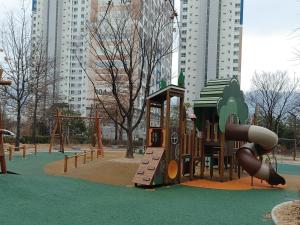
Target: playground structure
(217, 135)
(58, 131)
(2, 154)
(160, 163)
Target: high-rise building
(62, 24)
(210, 42)
(134, 22)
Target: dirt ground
(113, 168)
(117, 170)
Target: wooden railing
(11, 149)
(83, 154)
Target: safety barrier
(11, 149)
(83, 154)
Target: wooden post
(181, 136)
(10, 149)
(66, 164)
(57, 118)
(84, 157)
(62, 143)
(193, 148)
(99, 134)
(167, 136)
(202, 147)
(24, 150)
(221, 163)
(76, 160)
(92, 155)
(231, 166)
(148, 122)
(35, 149)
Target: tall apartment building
(61, 23)
(144, 16)
(211, 42)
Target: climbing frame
(149, 166)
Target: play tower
(161, 161)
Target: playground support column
(167, 136)
(99, 134)
(222, 157)
(148, 122)
(56, 126)
(181, 133)
(202, 148)
(192, 149)
(162, 114)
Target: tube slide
(262, 142)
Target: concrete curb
(275, 220)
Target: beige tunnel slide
(260, 141)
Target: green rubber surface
(36, 198)
(289, 169)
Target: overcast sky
(269, 40)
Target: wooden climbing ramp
(149, 166)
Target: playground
(220, 171)
(36, 197)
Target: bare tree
(41, 80)
(274, 95)
(16, 45)
(124, 56)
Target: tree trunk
(116, 132)
(129, 152)
(34, 119)
(17, 143)
(120, 134)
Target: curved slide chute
(262, 141)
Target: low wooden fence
(79, 155)
(11, 150)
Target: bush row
(28, 139)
